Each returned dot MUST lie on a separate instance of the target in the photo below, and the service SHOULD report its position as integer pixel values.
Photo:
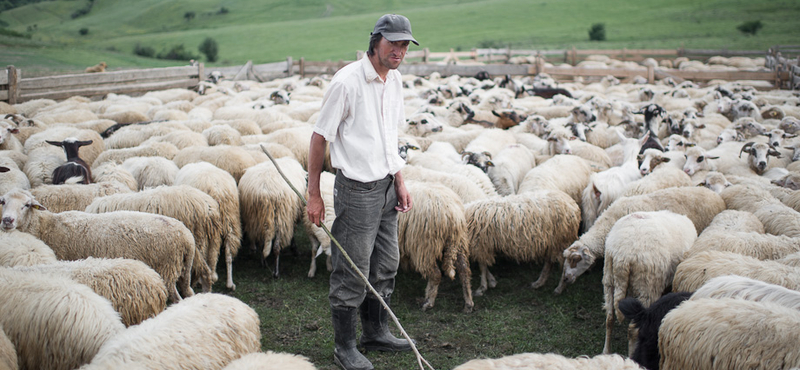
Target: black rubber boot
(345, 353)
(375, 334)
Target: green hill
(268, 31)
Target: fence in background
(784, 73)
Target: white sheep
(54, 323)
(75, 197)
(13, 178)
(181, 138)
(444, 164)
(509, 167)
(134, 135)
(435, 230)
(112, 172)
(467, 190)
(23, 249)
(542, 361)
(270, 361)
(163, 243)
(778, 218)
(753, 244)
(729, 334)
(740, 287)
(7, 139)
(151, 149)
(206, 331)
(222, 135)
(198, 211)
(695, 270)
(567, 173)
(534, 226)
(642, 251)
(134, 289)
(8, 354)
(269, 207)
(319, 239)
(151, 171)
(221, 186)
(699, 204)
(235, 160)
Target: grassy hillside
(269, 31)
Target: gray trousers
(366, 227)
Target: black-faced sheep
(648, 321)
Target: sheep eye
(424, 121)
(680, 144)
(700, 159)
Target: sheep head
(577, 259)
(16, 205)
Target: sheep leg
(432, 290)
(465, 274)
(173, 294)
(229, 266)
(543, 275)
(490, 277)
(277, 246)
(314, 247)
(608, 293)
(482, 288)
(328, 264)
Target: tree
(597, 32)
(750, 27)
(84, 31)
(209, 48)
(188, 16)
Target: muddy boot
(345, 353)
(375, 328)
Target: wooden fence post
(651, 75)
(574, 56)
(289, 67)
(425, 55)
(13, 85)
(539, 64)
(302, 67)
(200, 72)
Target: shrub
(223, 10)
(84, 31)
(177, 53)
(209, 48)
(597, 32)
(145, 51)
(12, 33)
(750, 27)
(189, 15)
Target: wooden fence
(15, 89)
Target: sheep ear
(688, 145)
(13, 130)
(665, 159)
(774, 153)
(413, 147)
(495, 113)
(412, 123)
(489, 164)
(717, 157)
(84, 143)
(35, 205)
(56, 143)
(487, 154)
(640, 157)
(703, 183)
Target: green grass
(269, 31)
(511, 318)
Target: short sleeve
(334, 110)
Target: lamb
(648, 321)
(270, 361)
(75, 167)
(701, 267)
(194, 208)
(538, 361)
(699, 204)
(740, 287)
(54, 323)
(134, 289)
(729, 334)
(151, 171)
(75, 197)
(642, 251)
(269, 207)
(221, 186)
(206, 331)
(234, 160)
(435, 230)
(552, 220)
(8, 354)
(23, 249)
(75, 235)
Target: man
(360, 115)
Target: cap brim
(399, 36)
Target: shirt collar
(370, 74)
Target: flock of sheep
(112, 208)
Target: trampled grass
(269, 31)
(511, 318)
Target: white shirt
(360, 117)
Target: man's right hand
(316, 210)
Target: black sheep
(648, 321)
(75, 166)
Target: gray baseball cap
(394, 27)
